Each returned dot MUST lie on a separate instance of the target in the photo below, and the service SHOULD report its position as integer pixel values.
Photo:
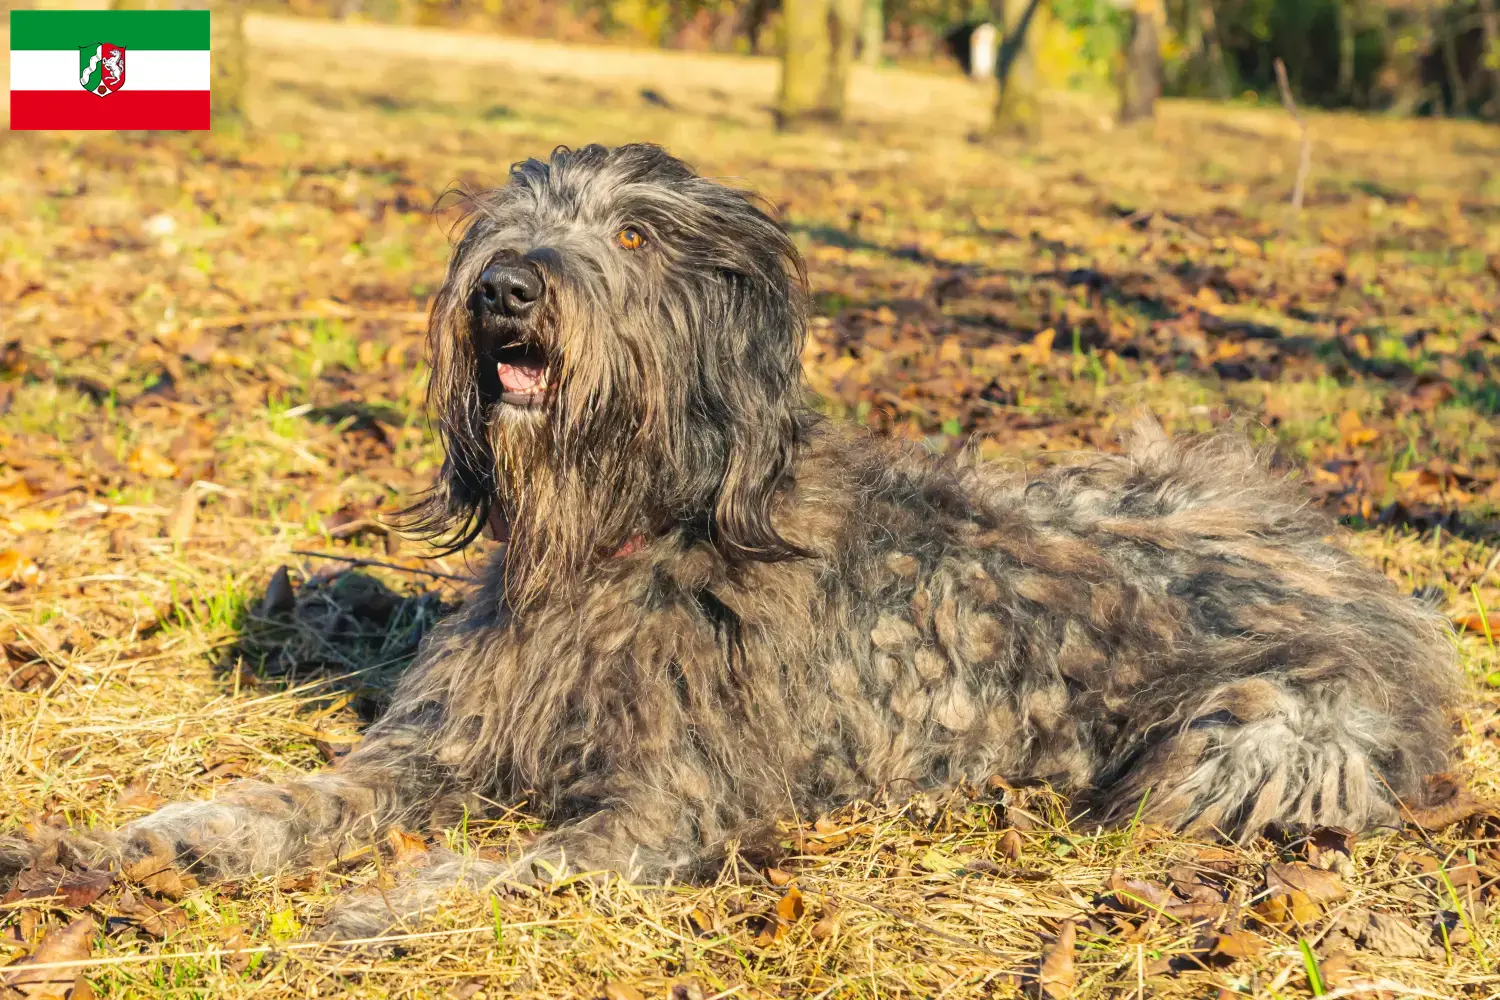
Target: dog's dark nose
(511, 288)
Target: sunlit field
(211, 368)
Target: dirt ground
(210, 368)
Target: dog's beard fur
(674, 396)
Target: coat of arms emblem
(101, 68)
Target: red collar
(630, 546)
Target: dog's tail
(1312, 693)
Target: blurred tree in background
(1140, 75)
(1022, 24)
(1431, 57)
(819, 36)
(229, 63)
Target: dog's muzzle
(511, 288)
(505, 304)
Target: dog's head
(615, 351)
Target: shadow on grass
(341, 627)
(977, 291)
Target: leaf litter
(212, 367)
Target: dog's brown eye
(630, 238)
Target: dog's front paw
(48, 847)
(209, 840)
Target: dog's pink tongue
(520, 378)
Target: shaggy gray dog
(715, 608)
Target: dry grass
(217, 366)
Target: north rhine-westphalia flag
(109, 69)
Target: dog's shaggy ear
(762, 395)
(454, 510)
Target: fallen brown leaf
(1320, 886)
(405, 847)
(233, 939)
(1338, 972)
(1010, 845)
(155, 918)
(16, 493)
(33, 676)
(152, 464)
(701, 921)
(1385, 933)
(464, 989)
(307, 881)
(1236, 944)
(790, 906)
(71, 943)
(777, 877)
(74, 889)
(1058, 976)
(17, 570)
(1293, 906)
(622, 991)
(138, 796)
(1218, 860)
(1197, 885)
(1197, 911)
(1138, 895)
(159, 875)
(765, 932)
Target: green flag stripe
(130, 29)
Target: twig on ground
(383, 565)
(1477, 580)
(294, 946)
(1304, 159)
(272, 317)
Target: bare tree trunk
(804, 62)
(820, 37)
(1018, 112)
(229, 63)
(1141, 74)
(1348, 27)
(753, 19)
(872, 32)
(843, 32)
(1489, 22)
(1458, 92)
(1218, 66)
(1402, 73)
(228, 60)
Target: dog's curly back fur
(807, 613)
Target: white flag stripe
(145, 69)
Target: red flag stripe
(127, 109)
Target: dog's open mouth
(522, 371)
